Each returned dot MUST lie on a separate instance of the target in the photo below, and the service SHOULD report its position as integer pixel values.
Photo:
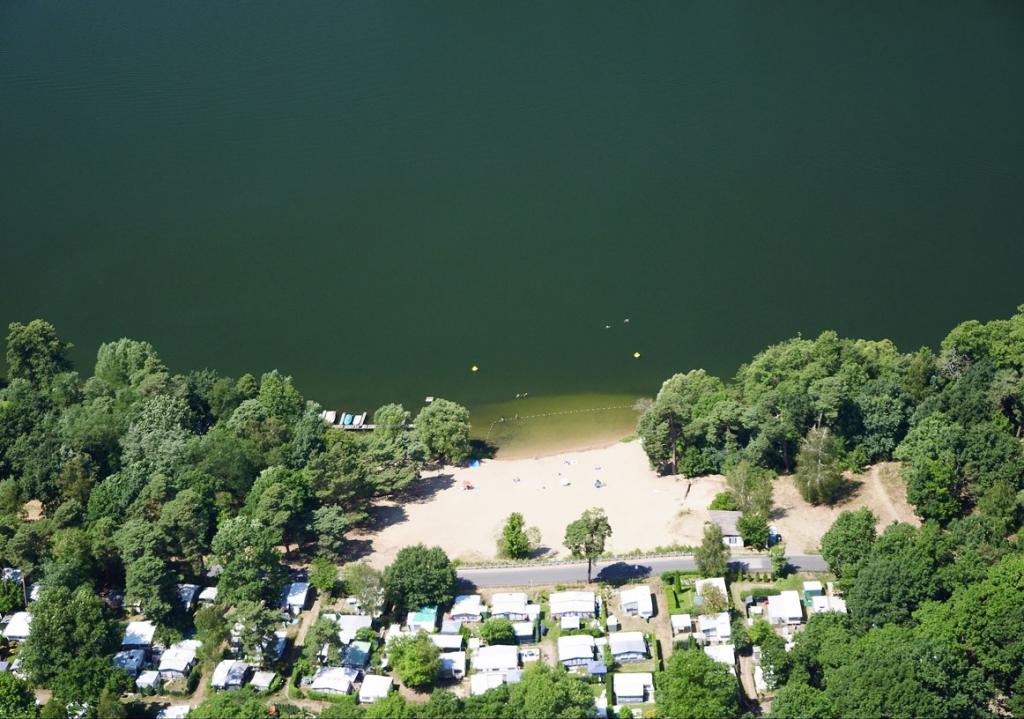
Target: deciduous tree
(586, 537)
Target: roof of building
(19, 627)
(179, 657)
(174, 711)
(524, 629)
(718, 582)
(785, 605)
(567, 623)
(334, 680)
(208, 594)
(496, 657)
(681, 623)
(375, 686)
(131, 660)
(358, 654)
(451, 626)
(261, 681)
(627, 643)
(813, 586)
(138, 634)
(572, 602)
(719, 623)
(349, 624)
(296, 594)
(596, 666)
(453, 662)
(723, 653)
(632, 684)
(447, 642)
(10, 574)
(508, 603)
(822, 603)
(147, 679)
(467, 604)
(640, 596)
(482, 682)
(575, 646)
(423, 618)
(726, 521)
(229, 672)
(187, 594)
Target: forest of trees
(146, 478)
(953, 419)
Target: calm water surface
(375, 196)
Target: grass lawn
(648, 665)
(679, 601)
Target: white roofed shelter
(261, 681)
(496, 658)
(138, 635)
(509, 605)
(447, 642)
(833, 603)
(480, 683)
(20, 626)
(375, 686)
(628, 646)
(637, 601)
(714, 627)
(572, 604)
(785, 608)
(575, 650)
(723, 654)
(295, 597)
(131, 660)
(453, 665)
(229, 674)
(349, 624)
(178, 660)
(633, 687)
(681, 623)
(335, 680)
(468, 607)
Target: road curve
(616, 570)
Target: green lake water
(376, 196)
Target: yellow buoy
(636, 355)
(475, 368)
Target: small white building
(207, 595)
(509, 605)
(357, 655)
(723, 654)
(423, 619)
(187, 595)
(335, 680)
(174, 711)
(569, 623)
(148, 680)
(375, 686)
(526, 632)
(262, 681)
(11, 574)
(20, 626)
(828, 604)
(480, 683)
(496, 658)
(468, 607)
(633, 687)
(453, 665)
(785, 608)
(701, 585)
(726, 521)
(681, 624)
(138, 635)
(349, 624)
(295, 598)
(575, 650)
(637, 601)
(177, 661)
(714, 627)
(574, 604)
(229, 674)
(447, 642)
(628, 646)
(131, 660)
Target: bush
(498, 631)
(760, 593)
(725, 501)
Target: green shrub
(724, 501)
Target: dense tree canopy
(695, 685)
(419, 577)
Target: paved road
(616, 570)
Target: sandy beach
(646, 511)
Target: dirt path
(307, 622)
(747, 677)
